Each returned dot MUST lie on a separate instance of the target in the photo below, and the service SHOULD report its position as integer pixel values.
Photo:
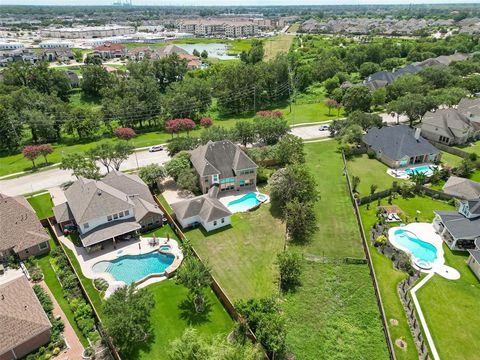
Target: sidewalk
(74, 348)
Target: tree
(290, 150)
(188, 180)
(192, 345)
(272, 334)
(204, 54)
(31, 152)
(206, 122)
(187, 125)
(82, 121)
(290, 269)
(178, 164)
(195, 276)
(94, 79)
(45, 150)
(81, 165)
(10, 129)
(300, 220)
(373, 188)
(293, 182)
(124, 133)
(365, 120)
(331, 103)
(414, 106)
(151, 174)
(331, 84)
(187, 99)
(112, 155)
(181, 144)
(172, 126)
(121, 151)
(244, 132)
(350, 134)
(196, 53)
(465, 169)
(379, 97)
(368, 68)
(102, 153)
(357, 97)
(128, 331)
(270, 129)
(355, 183)
(255, 53)
(215, 133)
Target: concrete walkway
(428, 335)
(74, 348)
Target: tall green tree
(80, 165)
(300, 220)
(152, 174)
(95, 79)
(290, 150)
(195, 276)
(357, 97)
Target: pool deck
(401, 173)
(110, 252)
(232, 196)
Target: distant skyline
(231, 2)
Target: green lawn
(333, 315)
(450, 160)
(388, 277)
(42, 204)
(277, 45)
(53, 284)
(242, 257)
(456, 303)
(370, 171)
(338, 234)
(173, 313)
(475, 147)
(164, 202)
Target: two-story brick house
(224, 164)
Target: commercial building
(88, 32)
(220, 27)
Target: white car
(155, 148)
(324, 127)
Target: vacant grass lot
(456, 303)
(277, 45)
(42, 204)
(388, 277)
(242, 257)
(333, 315)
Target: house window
(109, 218)
(86, 225)
(127, 212)
(215, 223)
(223, 220)
(43, 246)
(215, 178)
(115, 216)
(121, 214)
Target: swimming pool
(246, 202)
(131, 268)
(424, 254)
(426, 169)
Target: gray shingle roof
(445, 120)
(459, 226)
(399, 141)
(62, 213)
(128, 184)
(21, 316)
(220, 157)
(206, 207)
(469, 107)
(20, 228)
(475, 254)
(462, 188)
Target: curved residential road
(47, 179)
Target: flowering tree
(206, 122)
(186, 124)
(124, 133)
(172, 126)
(268, 113)
(45, 150)
(31, 152)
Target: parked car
(155, 148)
(324, 127)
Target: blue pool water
(421, 169)
(245, 203)
(420, 249)
(133, 268)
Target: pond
(216, 50)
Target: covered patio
(93, 240)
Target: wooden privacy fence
(451, 150)
(369, 262)
(108, 340)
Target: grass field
(242, 257)
(53, 284)
(42, 204)
(277, 45)
(450, 160)
(475, 147)
(456, 303)
(333, 315)
(388, 277)
(370, 171)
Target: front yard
(42, 204)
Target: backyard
(242, 256)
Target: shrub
(56, 351)
(37, 276)
(381, 240)
(44, 299)
(290, 267)
(124, 133)
(206, 122)
(262, 175)
(47, 356)
(268, 113)
(371, 154)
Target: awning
(108, 231)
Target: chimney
(418, 131)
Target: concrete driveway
(47, 179)
(309, 132)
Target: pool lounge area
(424, 247)
(405, 173)
(244, 201)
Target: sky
(232, 2)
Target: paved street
(50, 178)
(309, 132)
